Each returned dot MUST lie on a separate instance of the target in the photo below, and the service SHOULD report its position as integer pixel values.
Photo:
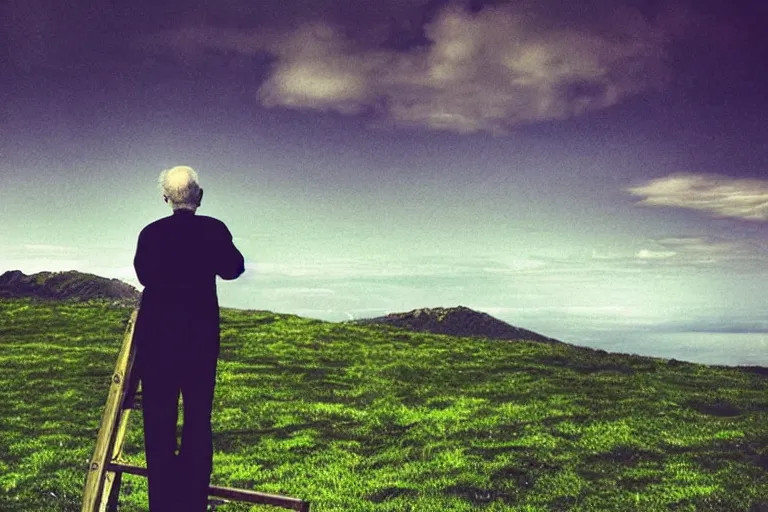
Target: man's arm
(230, 263)
(142, 261)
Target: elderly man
(177, 336)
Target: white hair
(181, 186)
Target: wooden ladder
(102, 484)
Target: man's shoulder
(152, 226)
(167, 222)
(208, 219)
(211, 223)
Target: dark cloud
(482, 69)
(469, 65)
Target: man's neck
(183, 211)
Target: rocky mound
(70, 285)
(458, 321)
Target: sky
(596, 172)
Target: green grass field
(371, 418)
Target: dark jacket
(177, 260)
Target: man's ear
(165, 198)
(199, 199)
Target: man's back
(184, 252)
(177, 260)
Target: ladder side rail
(112, 481)
(95, 479)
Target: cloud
(698, 245)
(474, 71)
(496, 68)
(301, 291)
(719, 196)
(645, 254)
(50, 249)
(675, 253)
(317, 68)
(693, 251)
(371, 268)
(515, 265)
(701, 251)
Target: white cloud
(673, 252)
(365, 268)
(719, 196)
(646, 254)
(317, 68)
(515, 265)
(301, 291)
(699, 246)
(47, 249)
(700, 251)
(483, 71)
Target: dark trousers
(178, 482)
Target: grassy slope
(359, 418)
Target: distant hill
(70, 285)
(458, 321)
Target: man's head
(181, 188)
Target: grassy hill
(372, 418)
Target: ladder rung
(225, 492)
(119, 467)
